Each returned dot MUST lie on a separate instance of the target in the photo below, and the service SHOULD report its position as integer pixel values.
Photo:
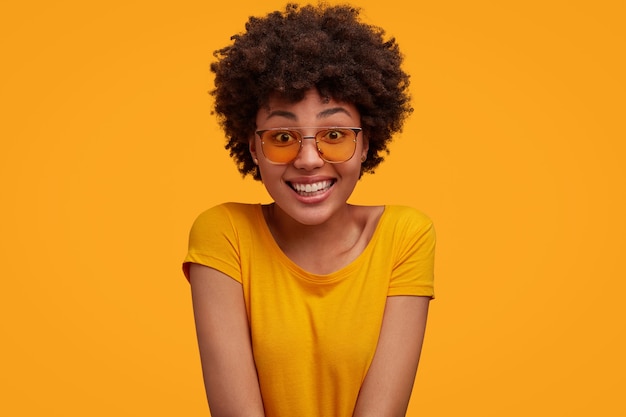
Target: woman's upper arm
(387, 387)
(228, 367)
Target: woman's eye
(334, 135)
(284, 137)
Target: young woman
(310, 306)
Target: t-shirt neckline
(310, 276)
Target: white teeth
(311, 188)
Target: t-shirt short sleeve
(213, 242)
(413, 267)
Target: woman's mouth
(311, 189)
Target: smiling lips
(310, 189)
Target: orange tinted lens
(280, 146)
(336, 145)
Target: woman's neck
(326, 247)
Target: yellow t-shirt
(314, 336)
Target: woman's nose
(308, 157)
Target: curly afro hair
(323, 47)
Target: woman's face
(329, 184)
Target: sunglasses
(334, 144)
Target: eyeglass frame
(356, 131)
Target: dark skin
(306, 228)
(308, 67)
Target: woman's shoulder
(231, 209)
(406, 213)
(230, 213)
(405, 220)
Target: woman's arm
(387, 387)
(230, 378)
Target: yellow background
(516, 150)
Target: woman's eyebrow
(282, 113)
(331, 111)
(321, 115)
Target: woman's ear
(365, 148)
(252, 148)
